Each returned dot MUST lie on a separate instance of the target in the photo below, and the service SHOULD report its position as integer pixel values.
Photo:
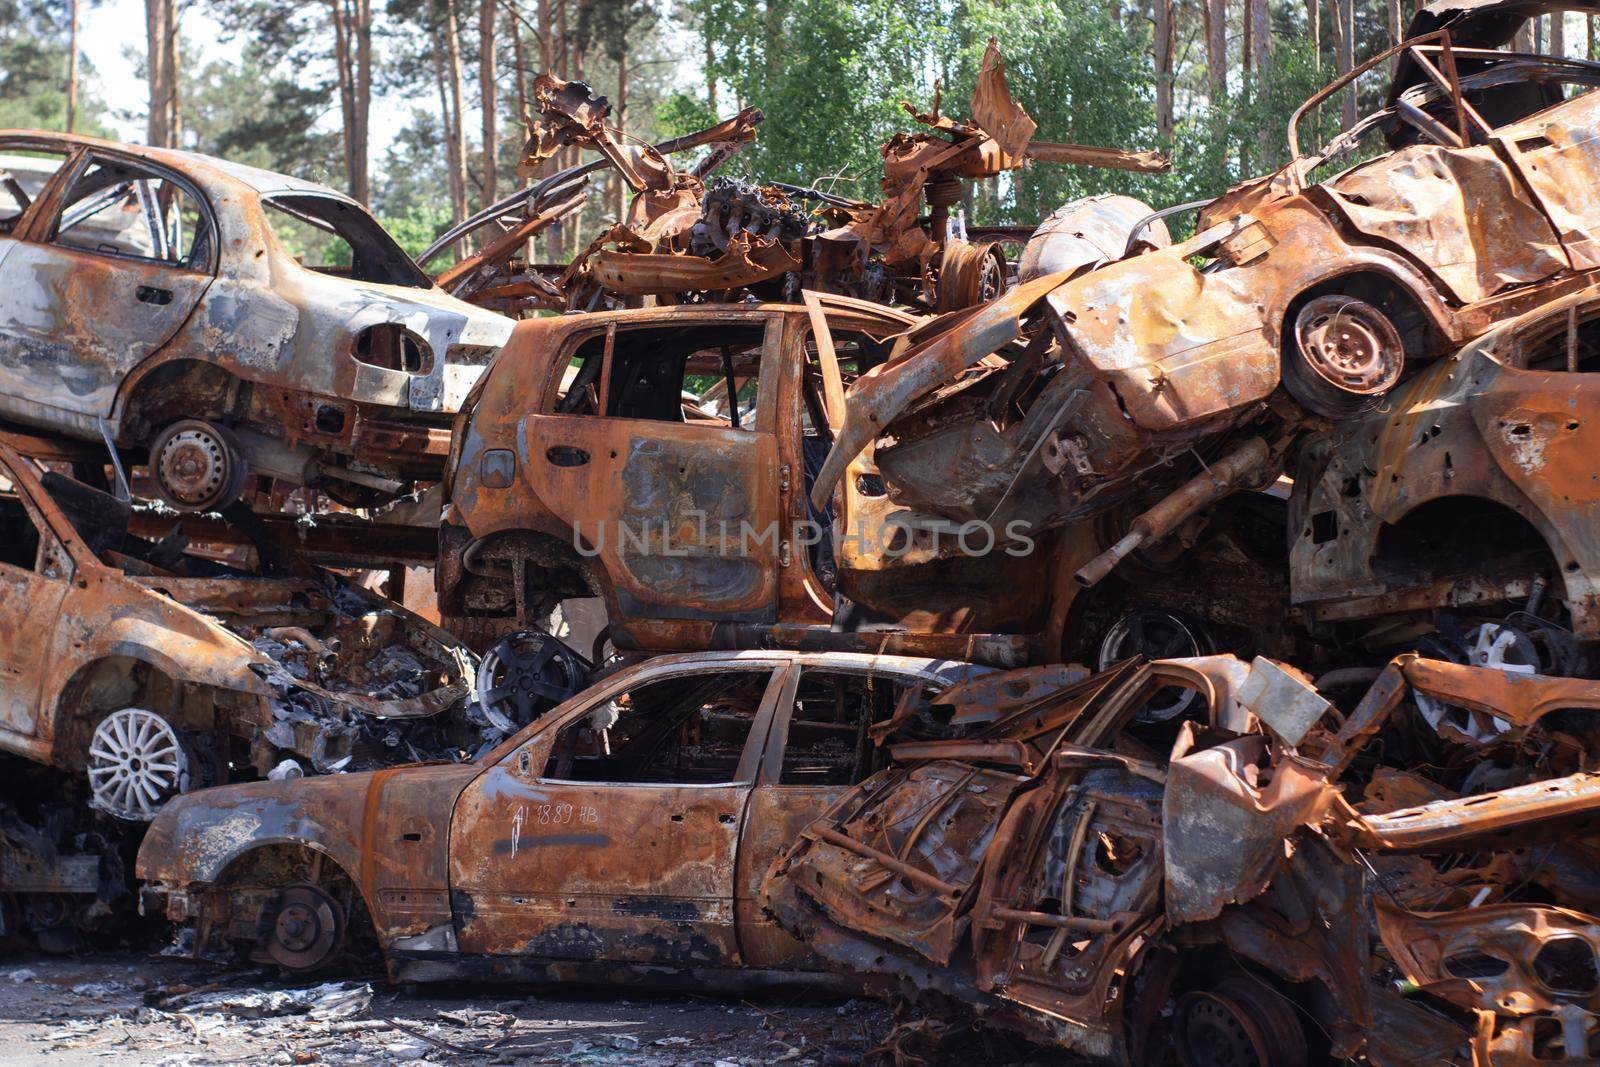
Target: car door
(611, 834)
(677, 503)
(819, 747)
(100, 285)
(35, 572)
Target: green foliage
(33, 71)
(415, 230)
(264, 114)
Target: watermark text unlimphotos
(697, 534)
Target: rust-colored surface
(1094, 880)
(514, 860)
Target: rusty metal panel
(1460, 211)
(1557, 152)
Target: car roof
(949, 670)
(264, 182)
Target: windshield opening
(333, 236)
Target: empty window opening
(685, 730)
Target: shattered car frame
(1158, 365)
(1236, 899)
(148, 672)
(152, 299)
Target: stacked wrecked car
(1152, 645)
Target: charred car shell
(199, 315)
(621, 836)
(151, 674)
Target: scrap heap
(687, 240)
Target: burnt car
(1271, 881)
(1497, 443)
(144, 671)
(622, 835)
(599, 461)
(223, 321)
(601, 457)
(1304, 295)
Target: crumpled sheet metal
(744, 263)
(881, 394)
(1227, 812)
(903, 863)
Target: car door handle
(150, 294)
(566, 456)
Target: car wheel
(136, 764)
(198, 466)
(1155, 634)
(1344, 355)
(1242, 1022)
(525, 675)
(307, 929)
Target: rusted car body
(133, 669)
(150, 299)
(1271, 881)
(568, 480)
(1496, 440)
(1115, 384)
(622, 835)
(579, 471)
(209, 668)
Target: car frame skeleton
(687, 239)
(1164, 362)
(1056, 875)
(622, 835)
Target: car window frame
(75, 168)
(41, 523)
(750, 756)
(511, 750)
(766, 386)
(771, 772)
(28, 220)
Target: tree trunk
(1216, 12)
(711, 79)
(458, 143)
(488, 97)
(1344, 50)
(344, 70)
(72, 67)
(155, 30)
(361, 183)
(1314, 21)
(1162, 46)
(519, 56)
(169, 56)
(1558, 33)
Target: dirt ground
(131, 1009)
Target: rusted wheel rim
(195, 466)
(1350, 344)
(135, 764)
(308, 930)
(1240, 1023)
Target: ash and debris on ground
(123, 1006)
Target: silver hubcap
(135, 764)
